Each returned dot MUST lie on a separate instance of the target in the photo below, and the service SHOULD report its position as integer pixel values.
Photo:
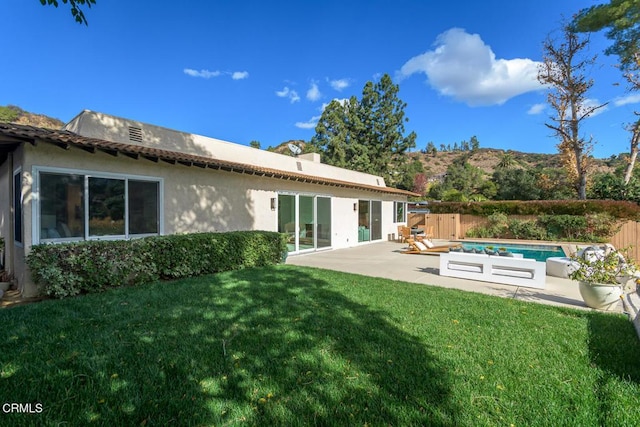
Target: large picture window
(82, 206)
(106, 207)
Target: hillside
(11, 113)
(484, 158)
(488, 158)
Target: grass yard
(299, 346)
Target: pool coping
(568, 248)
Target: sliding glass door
(323, 234)
(306, 220)
(376, 220)
(369, 220)
(287, 219)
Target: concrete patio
(384, 259)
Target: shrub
(72, 268)
(566, 227)
(616, 208)
(527, 230)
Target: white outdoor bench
(493, 268)
(561, 266)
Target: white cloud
(205, 74)
(288, 93)
(536, 109)
(625, 100)
(310, 124)
(313, 94)
(239, 75)
(463, 67)
(340, 84)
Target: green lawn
(299, 346)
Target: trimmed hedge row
(615, 208)
(72, 268)
(573, 228)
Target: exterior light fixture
(355, 207)
(273, 203)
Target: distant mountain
(13, 114)
(487, 159)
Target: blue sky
(256, 70)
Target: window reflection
(61, 206)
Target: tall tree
(367, 134)
(76, 10)
(475, 144)
(337, 131)
(516, 184)
(633, 150)
(431, 149)
(563, 72)
(621, 19)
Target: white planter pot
(598, 295)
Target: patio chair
(427, 247)
(428, 232)
(404, 233)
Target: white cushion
(421, 246)
(428, 243)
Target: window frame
(86, 174)
(395, 212)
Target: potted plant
(602, 275)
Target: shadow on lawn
(611, 351)
(269, 346)
(297, 351)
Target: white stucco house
(106, 177)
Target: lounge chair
(427, 247)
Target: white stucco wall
(110, 128)
(196, 199)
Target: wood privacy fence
(455, 226)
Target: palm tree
(507, 161)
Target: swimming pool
(537, 252)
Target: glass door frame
(297, 232)
(374, 217)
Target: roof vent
(135, 134)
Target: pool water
(537, 252)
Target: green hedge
(597, 227)
(72, 268)
(615, 208)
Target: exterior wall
(198, 200)
(5, 207)
(14, 252)
(110, 128)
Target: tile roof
(11, 135)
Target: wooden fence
(455, 226)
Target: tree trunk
(635, 137)
(582, 186)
